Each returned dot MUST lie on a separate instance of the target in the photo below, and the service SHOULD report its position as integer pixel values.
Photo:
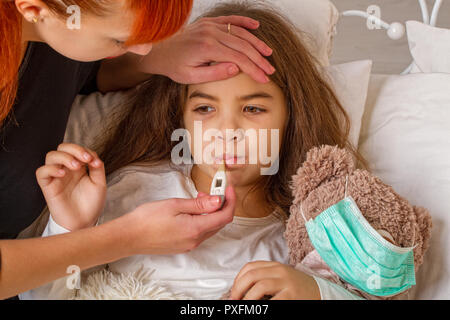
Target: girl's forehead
(240, 85)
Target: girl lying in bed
(249, 254)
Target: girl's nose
(141, 49)
(230, 124)
(234, 135)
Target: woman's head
(298, 101)
(83, 30)
(86, 30)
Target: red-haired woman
(50, 51)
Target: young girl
(249, 255)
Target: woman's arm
(185, 57)
(163, 227)
(27, 264)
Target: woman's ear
(32, 10)
(323, 164)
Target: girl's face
(97, 37)
(242, 105)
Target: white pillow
(429, 46)
(90, 113)
(318, 18)
(405, 137)
(351, 81)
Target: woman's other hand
(177, 225)
(267, 278)
(74, 185)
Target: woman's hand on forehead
(189, 56)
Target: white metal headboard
(396, 30)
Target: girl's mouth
(230, 160)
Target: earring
(32, 18)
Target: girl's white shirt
(206, 272)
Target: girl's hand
(283, 282)
(75, 195)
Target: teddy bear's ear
(322, 164)
(423, 234)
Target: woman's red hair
(155, 20)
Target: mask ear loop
(303, 214)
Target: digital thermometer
(219, 184)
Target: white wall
(355, 41)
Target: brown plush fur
(320, 183)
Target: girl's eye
(253, 109)
(204, 109)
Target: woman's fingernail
(233, 70)
(61, 172)
(214, 201)
(75, 164)
(87, 156)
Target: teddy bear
(323, 180)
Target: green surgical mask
(357, 253)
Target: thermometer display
(219, 184)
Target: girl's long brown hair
(142, 133)
(155, 21)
